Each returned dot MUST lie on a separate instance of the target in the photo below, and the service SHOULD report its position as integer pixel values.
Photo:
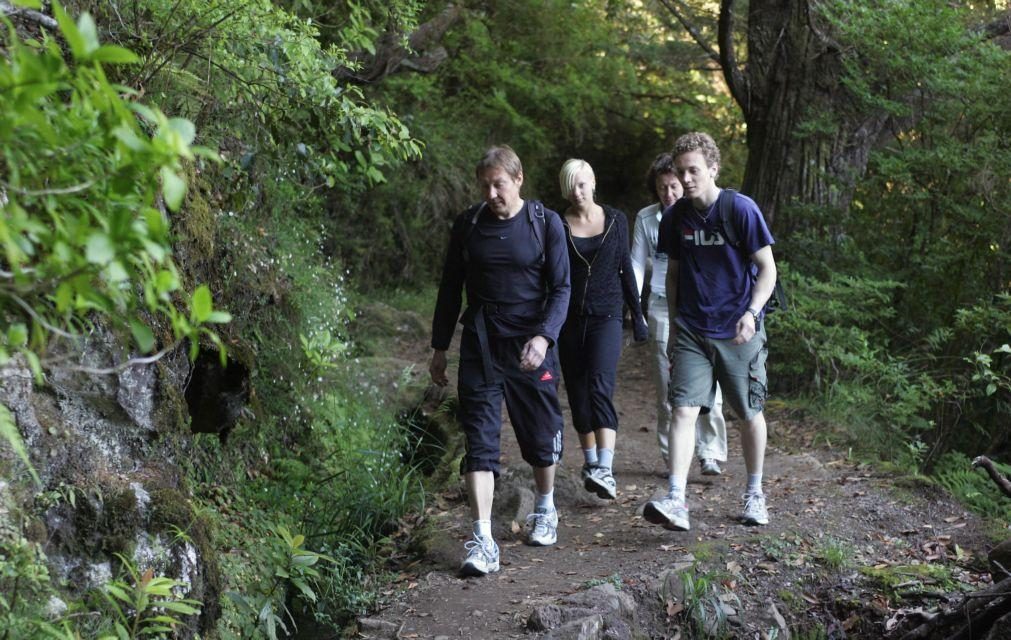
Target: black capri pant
(589, 347)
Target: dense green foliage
(903, 307)
(82, 168)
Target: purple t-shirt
(715, 278)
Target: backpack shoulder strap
(470, 218)
(728, 217)
(535, 214)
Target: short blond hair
(567, 176)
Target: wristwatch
(754, 314)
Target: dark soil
(850, 552)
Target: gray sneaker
(543, 528)
(482, 557)
(754, 509)
(671, 513)
(600, 481)
(710, 467)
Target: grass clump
(833, 553)
(901, 580)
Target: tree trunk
(807, 143)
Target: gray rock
(136, 393)
(552, 616)
(599, 612)
(604, 598)
(545, 617)
(589, 628)
(669, 586)
(94, 441)
(617, 630)
(376, 628)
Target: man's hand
(533, 353)
(437, 368)
(745, 328)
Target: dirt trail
(801, 573)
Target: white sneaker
(671, 513)
(600, 481)
(543, 529)
(754, 509)
(482, 557)
(710, 467)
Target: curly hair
(697, 141)
(663, 163)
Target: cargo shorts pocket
(758, 389)
(757, 393)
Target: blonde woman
(590, 342)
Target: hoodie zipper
(589, 263)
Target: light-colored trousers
(711, 428)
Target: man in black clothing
(511, 256)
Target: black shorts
(531, 398)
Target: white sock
(545, 502)
(754, 483)
(590, 456)
(482, 528)
(676, 486)
(605, 458)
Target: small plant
(613, 579)
(911, 456)
(703, 604)
(147, 605)
(834, 553)
(323, 349)
(290, 564)
(24, 583)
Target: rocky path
(844, 543)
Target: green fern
(973, 488)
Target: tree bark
(9, 10)
(423, 54)
(807, 141)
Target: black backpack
(730, 224)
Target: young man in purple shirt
(716, 294)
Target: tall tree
(809, 135)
